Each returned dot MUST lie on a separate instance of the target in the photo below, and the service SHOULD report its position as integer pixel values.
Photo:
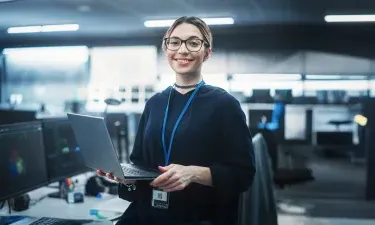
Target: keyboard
(56, 221)
(138, 171)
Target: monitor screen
(285, 95)
(62, 152)
(261, 92)
(16, 116)
(261, 96)
(255, 116)
(22, 161)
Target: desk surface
(109, 206)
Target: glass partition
(372, 87)
(48, 75)
(248, 82)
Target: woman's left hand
(174, 178)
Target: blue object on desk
(75, 197)
(277, 113)
(6, 220)
(96, 213)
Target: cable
(36, 201)
(9, 207)
(2, 205)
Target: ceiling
(124, 18)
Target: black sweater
(213, 133)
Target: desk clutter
(101, 209)
(45, 176)
(23, 220)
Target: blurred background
(304, 72)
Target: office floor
(335, 197)
(334, 179)
(302, 220)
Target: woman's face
(183, 61)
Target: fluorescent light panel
(269, 77)
(34, 55)
(349, 18)
(335, 77)
(43, 28)
(209, 21)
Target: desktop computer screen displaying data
(62, 152)
(22, 161)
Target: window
(50, 75)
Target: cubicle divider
(258, 204)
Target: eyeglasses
(192, 44)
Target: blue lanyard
(167, 152)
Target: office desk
(109, 206)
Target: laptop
(98, 152)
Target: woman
(194, 133)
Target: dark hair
(199, 23)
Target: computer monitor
(22, 161)
(8, 116)
(285, 95)
(261, 96)
(62, 152)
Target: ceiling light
(335, 77)
(270, 77)
(360, 119)
(349, 18)
(44, 28)
(209, 21)
(59, 28)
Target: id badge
(160, 199)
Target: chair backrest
(258, 205)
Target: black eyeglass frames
(192, 44)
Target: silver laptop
(98, 151)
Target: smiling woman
(196, 135)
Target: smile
(183, 61)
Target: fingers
(177, 186)
(162, 169)
(172, 182)
(100, 173)
(118, 179)
(173, 179)
(169, 166)
(162, 178)
(112, 177)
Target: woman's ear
(207, 54)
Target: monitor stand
(61, 193)
(7, 201)
(55, 195)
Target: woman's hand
(111, 177)
(174, 178)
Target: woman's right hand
(111, 177)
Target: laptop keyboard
(55, 221)
(136, 172)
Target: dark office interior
(303, 72)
